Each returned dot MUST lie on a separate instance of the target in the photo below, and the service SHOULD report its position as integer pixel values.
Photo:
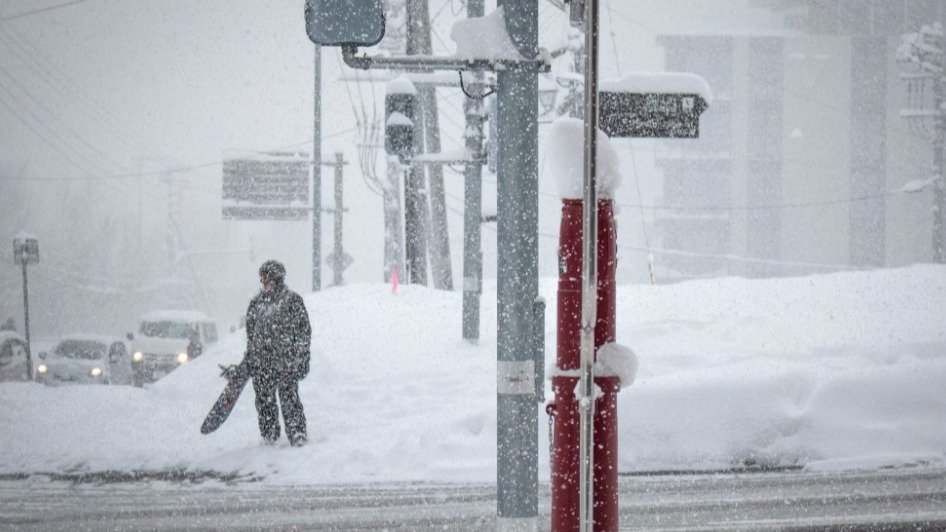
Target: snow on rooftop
(89, 337)
(660, 82)
(564, 160)
(484, 38)
(176, 316)
(400, 85)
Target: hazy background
(115, 113)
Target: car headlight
(96, 372)
(138, 356)
(181, 358)
(42, 369)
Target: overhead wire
(40, 10)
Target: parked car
(168, 339)
(86, 359)
(13, 366)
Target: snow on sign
(266, 186)
(653, 105)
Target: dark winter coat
(278, 335)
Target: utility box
(653, 105)
(400, 114)
(344, 22)
(25, 250)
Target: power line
(41, 10)
(167, 171)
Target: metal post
(938, 209)
(589, 272)
(473, 202)
(517, 277)
(317, 174)
(414, 234)
(418, 42)
(26, 325)
(393, 224)
(339, 209)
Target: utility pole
(418, 42)
(317, 173)
(338, 260)
(517, 276)
(939, 143)
(473, 201)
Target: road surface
(906, 499)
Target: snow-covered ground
(836, 371)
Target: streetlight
(26, 251)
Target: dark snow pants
(287, 388)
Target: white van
(167, 339)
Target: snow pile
(835, 371)
(660, 83)
(484, 38)
(613, 359)
(565, 160)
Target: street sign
(651, 115)
(25, 250)
(653, 105)
(344, 22)
(266, 186)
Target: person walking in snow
(278, 335)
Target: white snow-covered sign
(653, 105)
(266, 186)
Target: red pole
(565, 426)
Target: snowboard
(225, 403)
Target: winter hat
(273, 269)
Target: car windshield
(165, 329)
(81, 349)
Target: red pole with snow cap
(564, 409)
(615, 366)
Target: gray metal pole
(473, 202)
(517, 278)
(26, 326)
(589, 274)
(441, 271)
(393, 223)
(339, 209)
(418, 42)
(317, 174)
(415, 239)
(939, 143)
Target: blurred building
(802, 152)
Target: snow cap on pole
(565, 160)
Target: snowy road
(890, 499)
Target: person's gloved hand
(231, 371)
(300, 369)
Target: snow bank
(836, 371)
(565, 160)
(660, 82)
(484, 38)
